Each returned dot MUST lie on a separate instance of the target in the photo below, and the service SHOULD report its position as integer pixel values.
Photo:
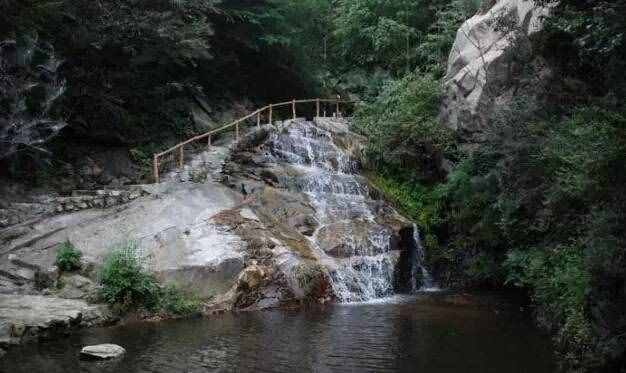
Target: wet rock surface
(303, 182)
(102, 352)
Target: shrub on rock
(127, 285)
(124, 282)
(68, 257)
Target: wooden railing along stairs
(177, 151)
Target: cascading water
(418, 268)
(362, 261)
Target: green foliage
(435, 45)
(402, 121)
(377, 33)
(68, 257)
(300, 27)
(142, 156)
(541, 203)
(560, 281)
(173, 301)
(125, 282)
(586, 39)
(419, 203)
(126, 285)
(558, 276)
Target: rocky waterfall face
(279, 218)
(368, 249)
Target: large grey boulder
(481, 72)
(171, 227)
(29, 317)
(102, 352)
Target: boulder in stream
(102, 352)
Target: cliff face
(29, 86)
(487, 63)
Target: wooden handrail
(180, 147)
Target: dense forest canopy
(539, 204)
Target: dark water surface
(428, 333)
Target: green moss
(419, 203)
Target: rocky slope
(279, 218)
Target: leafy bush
(173, 301)
(125, 282)
(401, 123)
(126, 285)
(559, 278)
(541, 201)
(68, 257)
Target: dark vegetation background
(539, 205)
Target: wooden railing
(177, 152)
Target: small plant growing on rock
(125, 283)
(174, 301)
(68, 257)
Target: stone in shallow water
(102, 352)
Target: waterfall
(350, 241)
(418, 269)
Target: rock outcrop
(31, 317)
(304, 186)
(489, 58)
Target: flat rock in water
(102, 352)
(29, 317)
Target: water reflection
(416, 334)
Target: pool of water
(423, 333)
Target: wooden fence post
(258, 119)
(155, 168)
(271, 112)
(181, 156)
(208, 141)
(337, 112)
(317, 107)
(237, 131)
(293, 108)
